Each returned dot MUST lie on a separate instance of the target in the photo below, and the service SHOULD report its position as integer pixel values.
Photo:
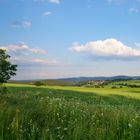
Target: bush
(113, 87)
(38, 83)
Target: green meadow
(29, 112)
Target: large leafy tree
(6, 68)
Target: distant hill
(79, 79)
(53, 82)
(74, 80)
(49, 82)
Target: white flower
(130, 125)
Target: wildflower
(129, 125)
(61, 137)
(137, 115)
(65, 129)
(47, 130)
(58, 128)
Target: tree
(6, 68)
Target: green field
(28, 112)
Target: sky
(71, 38)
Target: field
(29, 112)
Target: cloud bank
(109, 48)
(22, 49)
(23, 55)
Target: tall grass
(47, 114)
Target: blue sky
(67, 38)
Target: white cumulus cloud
(107, 48)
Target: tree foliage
(6, 68)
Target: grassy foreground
(69, 113)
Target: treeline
(129, 85)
